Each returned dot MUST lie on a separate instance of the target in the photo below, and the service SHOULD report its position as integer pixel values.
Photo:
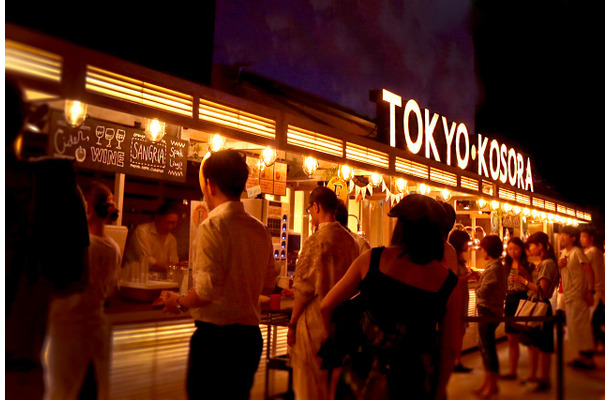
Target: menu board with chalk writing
(105, 146)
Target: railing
(558, 319)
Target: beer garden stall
(144, 133)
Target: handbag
(531, 308)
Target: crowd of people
(381, 322)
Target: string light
(424, 189)
(75, 112)
(310, 165)
(376, 179)
(401, 185)
(507, 207)
(346, 172)
(445, 194)
(268, 156)
(154, 130)
(527, 212)
(481, 203)
(216, 142)
(495, 205)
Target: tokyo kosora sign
(494, 160)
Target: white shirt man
(233, 266)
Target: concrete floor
(587, 385)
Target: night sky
(529, 73)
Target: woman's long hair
(547, 247)
(522, 258)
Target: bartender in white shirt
(155, 241)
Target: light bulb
(216, 142)
(495, 205)
(75, 112)
(155, 130)
(527, 212)
(445, 194)
(535, 214)
(424, 189)
(376, 179)
(482, 203)
(517, 210)
(268, 156)
(401, 185)
(310, 165)
(346, 172)
(507, 207)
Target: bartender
(155, 241)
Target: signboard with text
(104, 146)
(428, 134)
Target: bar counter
(126, 311)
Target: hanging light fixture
(268, 156)
(310, 165)
(346, 172)
(75, 112)
(216, 142)
(154, 130)
(445, 194)
(495, 204)
(401, 185)
(376, 179)
(424, 189)
(507, 207)
(527, 212)
(517, 210)
(542, 216)
(535, 214)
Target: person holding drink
(545, 279)
(516, 260)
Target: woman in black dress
(384, 343)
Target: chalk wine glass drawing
(109, 135)
(99, 132)
(120, 136)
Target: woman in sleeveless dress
(398, 337)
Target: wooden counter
(124, 311)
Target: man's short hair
(228, 170)
(341, 214)
(167, 208)
(325, 197)
(589, 230)
(492, 244)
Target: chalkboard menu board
(104, 146)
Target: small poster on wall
(272, 180)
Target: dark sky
(530, 73)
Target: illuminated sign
(494, 160)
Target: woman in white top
(79, 333)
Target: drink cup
(276, 299)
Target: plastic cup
(276, 299)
